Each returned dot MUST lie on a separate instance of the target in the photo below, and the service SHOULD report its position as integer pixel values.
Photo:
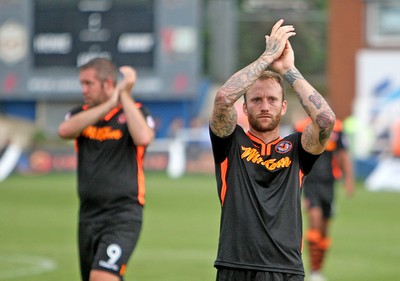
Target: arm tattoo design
(224, 121)
(302, 104)
(316, 99)
(325, 123)
(271, 48)
(309, 139)
(292, 75)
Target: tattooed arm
(224, 116)
(316, 134)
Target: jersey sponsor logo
(283, 147)
(252, 155)
(102, 134)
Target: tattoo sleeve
(317, 134)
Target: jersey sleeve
(307, 159)
(73, 111)
(149, 118)
(220, 146)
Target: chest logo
(283, 147)
(252, 155)
(102, 133)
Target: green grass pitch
(180, 231)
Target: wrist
(287, 70)
(266, 60)
(291, 75)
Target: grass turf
(180, 231)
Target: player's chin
(88, 102)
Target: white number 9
(114, 252)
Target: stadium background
(183, 50)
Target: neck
(267, 136)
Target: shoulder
(147, 115)
(237, 132)
(74, 111)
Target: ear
(284, 107)
(244, 107)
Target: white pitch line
(25, 265)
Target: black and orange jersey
(259, 187)
(110, 169)
(326, 169)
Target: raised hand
(286, 61)
(276, 42)
(129, 79)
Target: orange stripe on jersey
(140, 176)
(269, 146)
(224, 169)
(301, 177)
(265, 148)
(258, 141)
(112, 113)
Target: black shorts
(107, 246)
(233, 274)
(320, 195)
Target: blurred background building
(183, 50)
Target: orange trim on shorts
(122, 270)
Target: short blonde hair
(269, 74)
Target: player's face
(93, 89)
(264, 105)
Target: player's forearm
(140, 131)
(240, 82)
(72, 128)
(322, 116)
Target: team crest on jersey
(283, 146)
(121, 119)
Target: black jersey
(259, 186)
(110, 170)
